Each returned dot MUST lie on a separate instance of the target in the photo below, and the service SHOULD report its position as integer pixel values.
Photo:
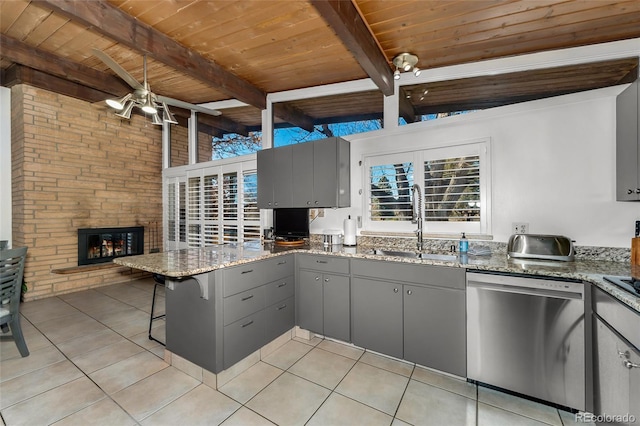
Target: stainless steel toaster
(548, 247)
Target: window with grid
(454, 181)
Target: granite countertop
(188, 262)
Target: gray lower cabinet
(413, 312)
(616, 359)
(243, 337)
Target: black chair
(11, 273)
(159, 281)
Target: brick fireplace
(102, 245)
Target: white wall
(5, 164)
(553, 166)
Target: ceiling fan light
(396, 74)
(416, 71)
(155, 119)
(126, 111)
(148, 105)
(118, 103)
(167, 116)
(406, 66)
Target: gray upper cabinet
(628, 144)
(312, 174)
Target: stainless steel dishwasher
(527, 335)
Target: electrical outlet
(520, 228)
(320, 213)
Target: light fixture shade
(126, 111)
(396, 74)
(416, 71)
(167, 116)
(119, 103)
(155, 119)
(406, 66)
(148, 105)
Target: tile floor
(91, 362)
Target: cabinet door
(627, 144)
(434, 328)
(336, 307)
(634, 383)
(279, 318)
(309, 294)
(376, 316)
(282, 177)
(303, 174)
(325, 178)
(265, 178)
(611, 379)
(242, 338)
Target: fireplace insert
(101, 245)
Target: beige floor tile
(123, 292)
(153, 393)
(46, 310)
(106, 356)
(488, 415)
(288, 354)
(36, 382)
(105, 308)
(423, 404)
(34, 339)
(323, 367)
(246, 417)
(90, 342)
(378, 388)
(37, 359)
(143, 340)
(245, 386)
(201, 406)
(521, 406)
(127, 372)
(158, 351)
(55, 404)
(289, 400)
(340, 410)
(70, 327)
(393, 365)
(341, 349)
(135, 324)
(398, 422)
(315, 341)
(103, 413)
(443, 381)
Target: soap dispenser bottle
(463, 246)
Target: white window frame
(480, 147)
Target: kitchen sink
(416, 255)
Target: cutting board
(635, 258)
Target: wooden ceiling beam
(114, 23)
(218, 122)
(21, 53)
(293, 115)
(344, 18)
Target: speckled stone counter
(187, 262)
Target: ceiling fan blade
(187, 105)
(111, 63)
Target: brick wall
(180, 146)
(77, 165)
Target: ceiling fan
(142, 96)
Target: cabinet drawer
(620, 317)
(331, 264)
(279, 318)
(279, 290)
(253, 274)
(440, 276)
(242, 304)
(242, 338)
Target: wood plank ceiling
(202, 51)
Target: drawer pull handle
(317, 278)
(282, 307)
(282, 263)
(395, 290)
(247, 324)
(282, 285)
(630, 364)
(247, 298)
(326, 280)
(322, 261)
(247, 271)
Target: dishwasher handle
(530, 291)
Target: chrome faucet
(416, 214)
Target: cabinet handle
(630, 364)
(275, 204)
(308, 203)
(247, 271)
(395, 290)
(247, 324)
(326, 280)
(317, 203)
(321, 261)
(282, 263)
(409, 292)
(317, 278)
(629, 191)
(282, 307)
(247, 298)
(623, 355)
(282, 285)
(637, 190)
